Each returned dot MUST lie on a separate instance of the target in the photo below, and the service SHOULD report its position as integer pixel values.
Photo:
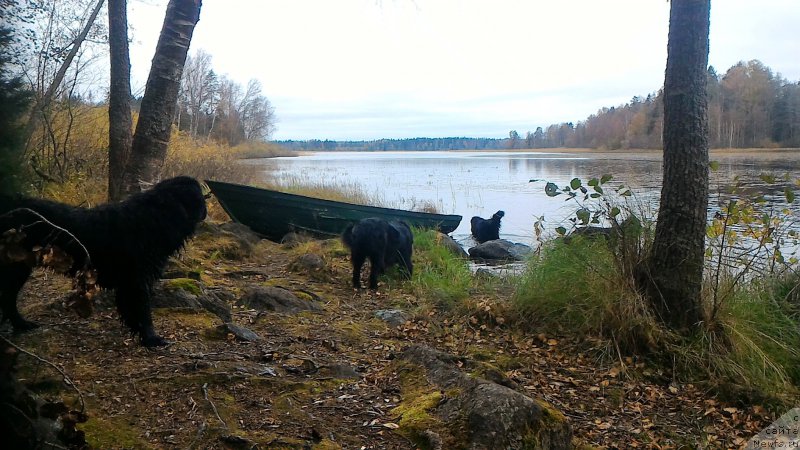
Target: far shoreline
(774, 152)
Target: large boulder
(457, 410)
(500, 250)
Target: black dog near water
(127, 243)
(385, 243)
(486, 229)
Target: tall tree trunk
(42, 104)
(676, 261)
(160, 96)
(120, 125)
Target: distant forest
(749, 107)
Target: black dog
(128, 244)
(486, 229)
(384, 243)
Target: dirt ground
(325, 380)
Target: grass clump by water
(574, 287)
(750, 352)
(440, 277)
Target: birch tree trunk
(159, 103)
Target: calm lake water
(481, 183)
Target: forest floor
(325, 379)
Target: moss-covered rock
(462, 411)
(185, 284)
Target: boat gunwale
(336, 203)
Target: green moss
(414, 413)
(304, 296)
(184, 284)
(111, 433)
(414, 416)
(326, 444)
(551, 420)
(199, 320)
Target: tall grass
(348, 192)
(248, 150)
(574, 286)
(440, 277)
(749, 352)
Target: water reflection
(480, 183)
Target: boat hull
(273, 214)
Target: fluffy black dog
(384, 243)
(486, 229)
(128, 244)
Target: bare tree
(42, 102)
(159, 103)
(256, 113)
(198, 90)
(675, 264)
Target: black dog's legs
(12, 278)
(133, 304)
(358, 261)
(378, 267)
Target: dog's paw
(154, 341)
(22, 325)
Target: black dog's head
(498, 215)
(186, 194)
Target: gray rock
(393, 317)
(500, 249)
(483, 414)
(240, 332)
(339, 371)
(165, 295)
(276, 299)
(450, 244)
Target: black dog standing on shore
(128, 244)
(486, 229)
(384, 243)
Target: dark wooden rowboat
(272, 214)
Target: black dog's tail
(347, 236)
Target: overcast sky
(369, 69)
